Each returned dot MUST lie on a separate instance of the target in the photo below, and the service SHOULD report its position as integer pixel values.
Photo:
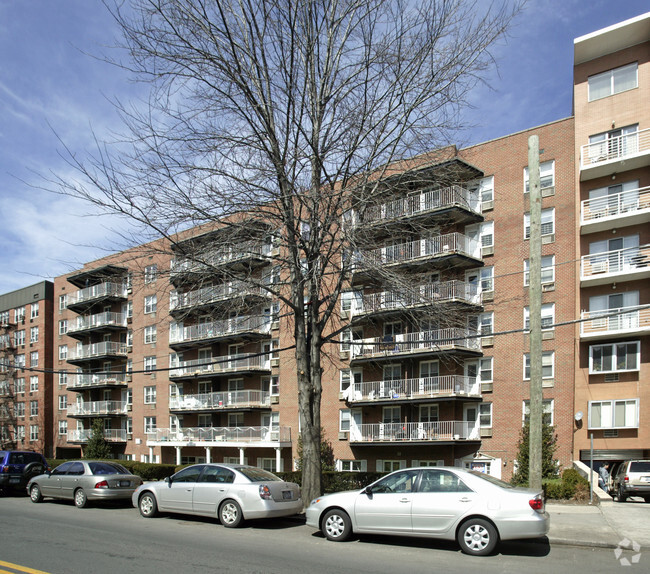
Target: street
(58, 538)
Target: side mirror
(168, 480)
(368, 490)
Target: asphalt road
(57, 538)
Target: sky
(55, 87)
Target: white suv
(632, 479)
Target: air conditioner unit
(345, 314)
(345, 354)
(275, 362)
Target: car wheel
(35, 493)
(622, 497)
(33, 469)
(647, 499)
(147, 505)
(80, 498)
(477, 537)
(230, 514)
(336, 525)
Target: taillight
(265, 492)
(536, 503)
(626, 478)
(4, 469)
(101, 484)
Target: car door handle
(465, 499)
(405, 500)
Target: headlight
(315, 501)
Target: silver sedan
(83, 481)
(448, 503)
(230, 492)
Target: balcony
(244, 363)
(251, 325)
(447, 204)
(83, 435)
(407, 390)
(220, 401)
(629, 264)
(98, 409)
(426, 432)
(612, 323)
(80, 300)
(100, 322)
(206, 296)
(221, 436)
(617, 210)
(453, 339)
(103, 350)
(614, 155)
(84, 381)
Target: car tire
(148, 505)
(336, 525)
(647, 499)
(477, 537)
(35, 493)
(80, 498)
(230, 514)
(621, 497)
(33, 469)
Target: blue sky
(49, 80)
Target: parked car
(18, 466)
(84, 481)
(232, 493)
(448, 503)
(632, 478)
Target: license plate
(287, 495)
(14, 480)
(125, 483)
(645, 478)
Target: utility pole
(535, 316)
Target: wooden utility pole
(535, 315)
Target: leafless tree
(271, 115)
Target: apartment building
(25, 368)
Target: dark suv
(18, 466)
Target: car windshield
(640, 466)
(107, 468)
(258, 475)
(491, 479)
(24, 457)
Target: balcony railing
(97, 350)
(249, 324)
(92, 380)
(221, 256)
(423, 202)
(83, 435)
(415, 432)
(417, 388)
(620, 261)
(615, 148)
(97, 408)
(100, 291)
(612, 321)
(615, 206)
(107, 319)
(453, 338)
(261, 434)
(221, 400)
(214, 294)
(414, 251)
(225, 364)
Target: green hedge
(572, 485)
(337, 481)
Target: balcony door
(605, 304)
(429, 381)
(428, 422)
(618, 254)
(392, 381)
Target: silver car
(84, 481)
(448, 503)
(230, 492)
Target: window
(351, 465)
(20, 433)
(271, 385)
(546, 176)
(33, 433)
(614, 357)
(33, 359)
(150, 395)
(63, 327)
(486, 369)
(204, 421)
(486, 280)
(63, 402)
(548, 365)
(33, 383)
(613, 82)
(400, 482)
(63, 352)
(623, 413)
(613, 144)
(485, 189)
(150, 273)
(19, 338)
(63, 379)
(548, 222)
(547, 411)
(20, 409)
(34, 311)
(344, 420)
(63, 302)
(19, 314)
(149, 364)
(33, 408)
(19, 361)
(548, 316)
(20, 385)
(63, 428)
(351, 301)
(485, 415)
(486, 323)
(150, 303)
(4, 318)
(33, 335)
(548, 270)
(149, 425)
(150, 334)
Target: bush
(572, 485)
(336, 481)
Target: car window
(24, 457)
(640, 466)
(217, 474)
(441, 481)
(107, 468)
(62, 468)
(396, 482)
(258, 474)
(76, 469)
(492, 479)
(189, 474)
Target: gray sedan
(231, 492)
(448, 503)
(83, 481)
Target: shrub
(572, 485)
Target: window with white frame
(348, 376)
(63, 302)
(613, 144)
(33, 433)
(20, 433)
(63, 428)
(149, 364)
(149, 425)
(150, 304)
(150, 334)
(487, 234)
(4, 318)
(33, 408)
(351, 465)
(63, 402)
(63, 352)
(33, 383)
(485, 415)
(63, 327)
(548, 316)
(33, 335)
(548, 222)
(484, 188)
(34, 310)
(548, 270)
(271, 385)
(19, 361)
(614, 357)
(63, 378)
(19, 314)
(150, 273)
(344, 420)
(204, 421)
(19, 338)
(20, 409)
(548, 365)
(613, 81)
(546, 176)
(548, 407)
(33, 359)
(486, 280)
(351, 301)
(20, 385)
(389, 465)
(614, 414)
(150, 395)
(486, 369)
(486, 323)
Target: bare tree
(279, 119)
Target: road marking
(19, 568)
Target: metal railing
(83, 435)
(247, 324)
(622, 204)
(225, 364)
(615, 320)
(625, 260)
(99, 291)
(97, 350)
(221, 256)
(415, 388)
(213, 294)
(615, 148)
(220, 400)
(410, 432)
(84, 380)
(98, 408)
(99, 320)
(221, 434)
